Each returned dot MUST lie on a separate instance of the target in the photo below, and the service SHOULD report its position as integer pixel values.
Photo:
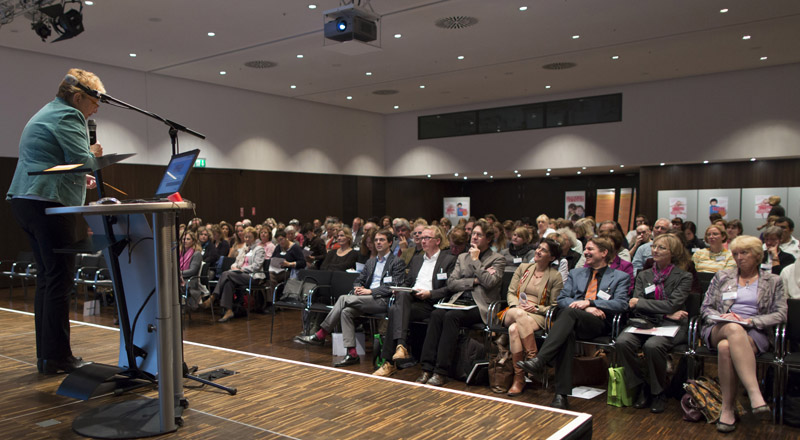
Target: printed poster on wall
(574, 205)
(718, 205)
(456, 208)
(677, 207)
(762, 207)
(605, 204)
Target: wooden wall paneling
(364, 197)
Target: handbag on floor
(501, 372)
(618, 393)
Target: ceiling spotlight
(465, 177)
(461, 57)
(396, 107)
(455, 174)
(398, 35)
(547, 174)
(292, 86)
(349, 97)
(222, 72)
(42, 29)
(548, 170)
(421, 87)
(622, 166)
(523, 8)
(705, 161)
(299, 55)
(132, 55)
(662, 164)
(88, 3)
(516, 171)
(610, 171)
(312, 6)
(583, 168)
(722, 11)
(429, 176)
(752, 159)
(491, 177)
(763, 58)
(615, 57)
(746, 37)
(579, 172)
(212, 34)
(368, 74)
(519, 175)
(67, 23)
(546, 87)
(485, 173)
(575, 37)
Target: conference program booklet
(668, 331)
(452, 306)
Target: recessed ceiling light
(212, 34)
(132, 55)
(429, 176)
(293, 86)
(519, 175)
(398, 35)
(88, 3)
(746, 37)
(312, 6)
(579, 172)
(615, 57)
(546, 87)
(396, 107)
(583, 168)
(299, 55)
(705, 161)
(368, 74)
(349, 97)
(763, 58)
(722, 11)
(455, 174)
(610, 171)
(461, 57)
(421, 87)
(485, 173)
(662, 164)
(752, 159)
(523, 8)
(575, 37)
(465, 177)
(622, 166)
(516, 171)
(491, 177)
(548, 170)
(222, 72)
(547, 174)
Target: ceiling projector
(350, 23)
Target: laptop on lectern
(176, 174)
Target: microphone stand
(174, 128)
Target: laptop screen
(176, 174)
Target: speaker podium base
(130, 419)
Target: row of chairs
(22, 268)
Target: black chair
(201, 278)
(22, 268)
(705, 280)
(791, 351)
(87, 267)
(341, 284)
(321, 280)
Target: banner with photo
(574, 205)
(456, 208)
(718, 205)
(677, 208)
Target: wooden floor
(291, 400)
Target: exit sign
(200, 162)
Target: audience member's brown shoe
(386, 370)
(227, 316)
(424, 377)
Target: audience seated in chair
(249, 262)
(714, 258)
(313, 246)
(534, 289)
(590, 297)
(344, 257)
(756, 300)
(427, 276)
(520, 250)
(643, 251)
(370, 295)
(775, 259)
(293, 259)
(659, 297)
(191, 258)
(476, 280)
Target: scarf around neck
(659, 276)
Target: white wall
(722, 117)
(244, 130)
(730, 116)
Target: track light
(66, 22)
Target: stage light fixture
(66, 19)
(42, 29)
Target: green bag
(618, 393)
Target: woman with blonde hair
(715, 257)
(740, 308)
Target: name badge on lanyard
(650, 289)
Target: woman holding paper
(739, 310)
(533, 290)
(659, 297)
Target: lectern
(145, 278)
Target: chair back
(705, 280)
(793, 326)
(507, 276)
(342, 283)
(693, 303)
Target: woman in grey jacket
(659, 295)
(740, 308)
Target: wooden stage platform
(276, 399)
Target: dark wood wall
(758, 174)
(220, 193)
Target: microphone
(71, 80)
(92, 131)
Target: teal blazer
(56, 135)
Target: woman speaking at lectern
(56, 135)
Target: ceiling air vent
(457, 22)
(559, 66)
(260, 64)
(384, 92)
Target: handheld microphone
(92, 131)
(73, 81)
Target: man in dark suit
(586, 304)
(372, 296)
(428, 273)
(476, 279)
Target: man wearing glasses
(427, 276)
